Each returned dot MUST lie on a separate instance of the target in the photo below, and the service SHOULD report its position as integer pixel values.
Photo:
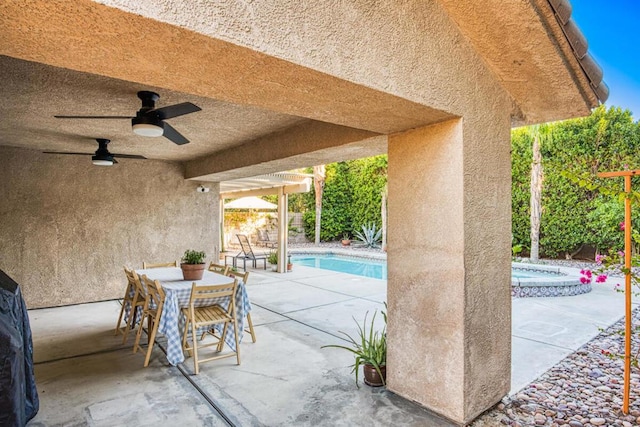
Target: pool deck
(86, 377)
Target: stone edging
(567, 282)
(337, 251)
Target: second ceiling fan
(149, 120)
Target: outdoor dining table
(177, 295)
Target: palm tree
(540, 134)
(318, 185)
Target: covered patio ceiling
(260, 114)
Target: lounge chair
(263, 240)
(246, 253)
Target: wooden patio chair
(219, 268)
(151, 311)
(244, 277)
(208, 316)
(146, 265)
(246, 253)
(135, 297)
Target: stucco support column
(283, 229)
(449, 331)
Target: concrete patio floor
(86, 377)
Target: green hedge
(574, 215)
(351, 197)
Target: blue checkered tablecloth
(177, 294)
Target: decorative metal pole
(627, 280)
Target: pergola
(437, 85)
(280, 183)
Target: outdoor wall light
(202, 189)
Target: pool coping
(338, 251)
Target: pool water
(376, 269)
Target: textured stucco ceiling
(33, 93)
(98, 57)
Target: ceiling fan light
(146, 129)
(102, 162)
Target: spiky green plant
(370, 348)
(370, 237)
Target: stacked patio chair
(264, 240)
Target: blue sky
(612, 29)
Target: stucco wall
(67, 227)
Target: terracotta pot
(192, 271)
(371, 376)
(289, 267)
(346, 242)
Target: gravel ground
(585, 389)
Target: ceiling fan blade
(93, 117)
(73, 154)
(176, 110)
(129, 156)
(173, 135)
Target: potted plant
(370, 351)
(289, 264)
(272, 259)
(346, 239)
(193, 264)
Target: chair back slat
(199, 292)
(243, 277)
(146, 265)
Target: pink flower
(601, 278)
(584, 280)
(621, 225)
(599, 258)
(588, 273)
(621, 254)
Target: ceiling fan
(149, 120)
(102, 156)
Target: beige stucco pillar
(449, 267)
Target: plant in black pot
(193, 264)
(370, 351)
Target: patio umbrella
(251, 203)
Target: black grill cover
(18, 395)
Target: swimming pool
(376, 269)
(527, 280)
